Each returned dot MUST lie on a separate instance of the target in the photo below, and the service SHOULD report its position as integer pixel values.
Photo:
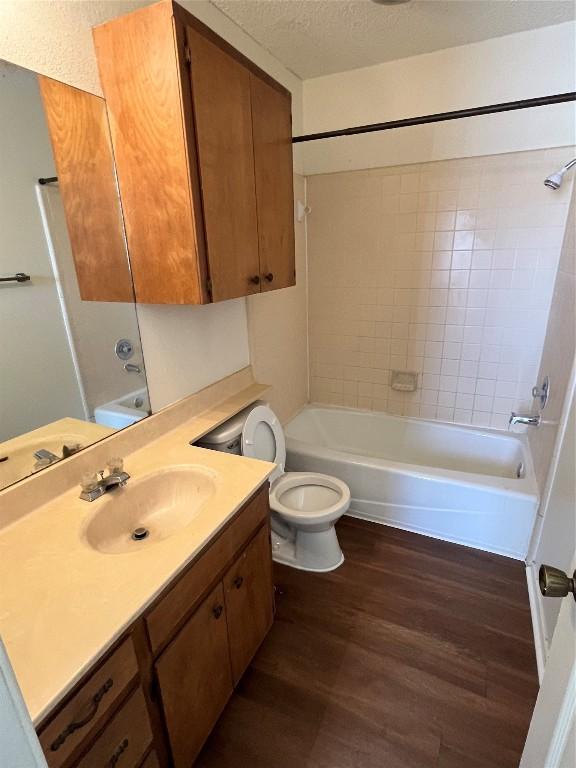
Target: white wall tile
(441, 269)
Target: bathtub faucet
(530, 421)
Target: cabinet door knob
(217, 611)
(255, 279)
(269, 277)
(238, 581)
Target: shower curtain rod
(507, 106)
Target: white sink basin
(159, 504)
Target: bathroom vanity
(126, 650)
(162, 687)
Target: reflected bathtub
(461, 484)
(124, 411)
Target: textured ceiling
(319, 37)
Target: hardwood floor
(414, 654)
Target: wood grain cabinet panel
(272, 131)
(151, 761)
(139, 71)
(195, 679)
(249, 601)
(202, 139)
(221, 98)
(80, 136)
(89, 706)
(125, 739)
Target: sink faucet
(92, 489)
(530, 421)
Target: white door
(551, 741)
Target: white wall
(185, 348)
(519, 66)
(188, 348)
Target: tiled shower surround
(446, 269)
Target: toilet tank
(228, 436)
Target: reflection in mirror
(72, 370)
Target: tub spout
(530, 421)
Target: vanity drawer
(89, 707)
(125, 739)
(168, 615)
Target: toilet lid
(263, 438)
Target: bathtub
(461, 484)
(124, 411)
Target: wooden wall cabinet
(202, 141)
(154, 700)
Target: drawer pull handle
(217, 611)
(269, 277)
(255, 279)
(238, 581)
(75, 725)
(118, 754)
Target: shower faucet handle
(542, 392)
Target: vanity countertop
(63, 603)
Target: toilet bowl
(310, 505)
(305, 506)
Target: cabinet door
(272, 129)
(195, 679)
(221, 98)
(249, 601)
(153, 147)
(78, 126)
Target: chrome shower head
(554, 181)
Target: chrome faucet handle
(542, 393)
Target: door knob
(269, 277)
(555, 583)
(255, 279)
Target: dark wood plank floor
(414, 654)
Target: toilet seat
(263, 438)
(309, 498)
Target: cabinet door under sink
(249, 601)
(195, 678)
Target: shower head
(554, 181)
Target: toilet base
(318, 551)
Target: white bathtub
(455, 483)
(124, 411)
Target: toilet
(305, 506)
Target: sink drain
(138, 534)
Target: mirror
(72, 369)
